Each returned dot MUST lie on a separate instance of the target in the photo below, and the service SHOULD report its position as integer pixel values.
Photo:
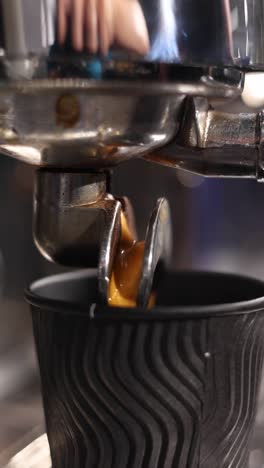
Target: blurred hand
(97, 24)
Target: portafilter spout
(77, 223)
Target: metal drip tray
(35, 455)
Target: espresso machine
(86, 86)
(75, 104)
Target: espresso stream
(125, 277)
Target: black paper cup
(174, 387)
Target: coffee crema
(126, 274)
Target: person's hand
(90, 20)
(130, 29)
(97, 24)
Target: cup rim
(101, 312)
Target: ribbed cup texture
(156, 394)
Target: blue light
(165, 47)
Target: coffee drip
(127, 268)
